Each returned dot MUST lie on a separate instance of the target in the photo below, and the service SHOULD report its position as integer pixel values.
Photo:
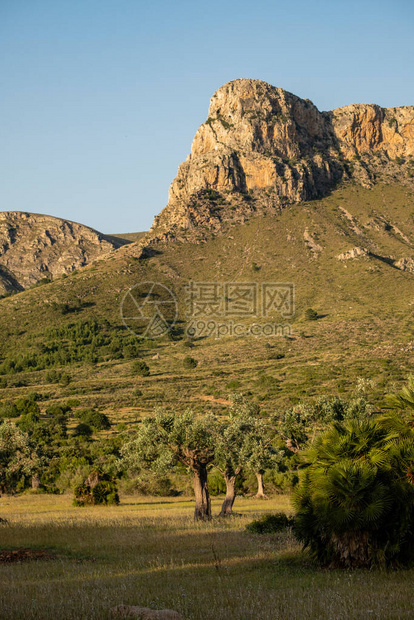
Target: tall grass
(150, 552)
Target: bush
(233, 385)
(149, 483)
(27, 405)
(8, 410)
(58, 410)
(267, 381)
(131, 351)
(73, 402)
(189, 362)
(95, 419)
(27, 422)
(52, 376)
(64, 379)
(83, 430)
(270, 523)
(311, 314)
(103, 493)
(140, 368)
(355, 500)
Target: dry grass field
(150, 552)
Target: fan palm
(355, 503)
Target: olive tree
(17, 457)
(167, 439)
(230, 455)
(262, 453)
(243, 441)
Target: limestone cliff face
(262, 148)
(369, 129)
(34, 246)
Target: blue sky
(100, 99)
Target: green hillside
(364, 306)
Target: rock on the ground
(145, 613)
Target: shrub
(189, 362)
(267, 381)
(73, 402)
(149, 483)
(8, 410)
(140, 368)
(27, 405)
(64, 379)
(355, 500)
(233, 385)
(131, 351)
(83, 430)
(103, 493)
(270, 523)
(95, 419)
(311, 314)
(27, 422)
(52, 376)
(58, 410)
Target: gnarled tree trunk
(260, 487)
(227, 507)
(202, 498)
(36, 481)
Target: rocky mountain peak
(262, 148)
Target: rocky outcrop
(34, 247)
(354, 253)
(405, 264)
(262, 148)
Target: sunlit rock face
(262, 148)
(34, 246)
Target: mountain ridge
(34, 247)
(262, 148)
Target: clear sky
(100, 99)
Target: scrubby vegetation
(355, 499)
(270, 523)
(82, 341)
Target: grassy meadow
(150, 552)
